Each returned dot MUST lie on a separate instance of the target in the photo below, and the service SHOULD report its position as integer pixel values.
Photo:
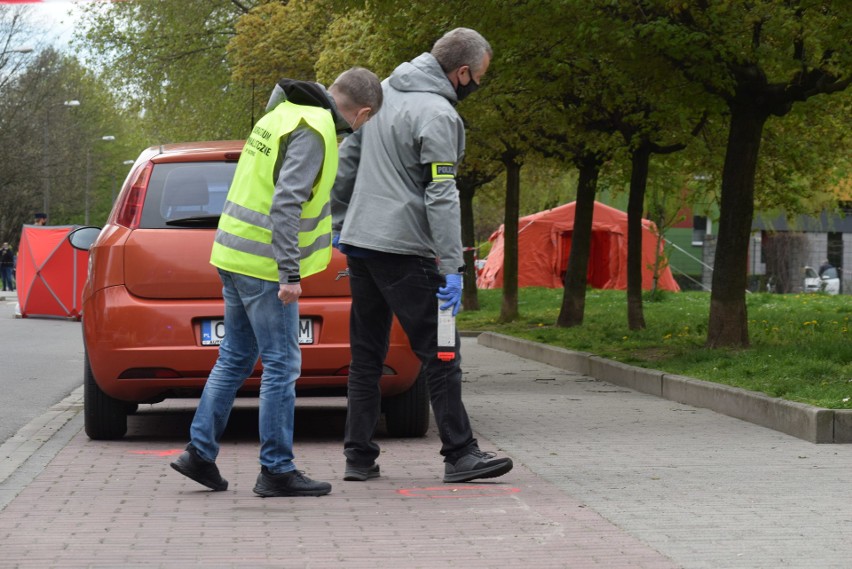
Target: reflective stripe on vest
(243, 241)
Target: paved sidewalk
(604, 477)
(707, 490)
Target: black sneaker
(293, 483)
(202, 471)
(361, 473)
(476, 464)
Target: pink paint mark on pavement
(170, 452)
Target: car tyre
(407, 414)
(105, 417)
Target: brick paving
(604, 477)
(119, 504)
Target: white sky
(56, 18)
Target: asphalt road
(41, 362)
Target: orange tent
(50, 273)
(544, 242)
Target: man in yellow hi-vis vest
(275, 229)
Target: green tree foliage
(351, 39)
(569, 90)
(52, 141)
(803, 156)
(560, 94)
(47, 140)
(168, 62)
(759, 58)
(279, 40)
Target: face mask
(353, 126)
(463, 91)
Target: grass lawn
(801, 345)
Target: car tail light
(130, 209)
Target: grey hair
(461, 46)
(361, 87)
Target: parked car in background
(153, 309)
(828, 282)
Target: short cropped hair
(461, 46)
(361, 87)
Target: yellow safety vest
(243, 241)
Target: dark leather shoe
(202, 471)
(293, 483)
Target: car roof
(195, 151)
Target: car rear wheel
(407, 414)
(105, 417)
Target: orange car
(152, 305)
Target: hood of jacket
(423, 74)
(309, 94)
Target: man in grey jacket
(396, 216)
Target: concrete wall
(708, 256)
(816, 251)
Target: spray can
(446, 335)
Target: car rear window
(185, 191)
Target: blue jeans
(256, 323)
(382, 286)
(6, 274)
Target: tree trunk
(470, 296)
(509, 308)
(574, 297)
(728, 325)
(635, 206)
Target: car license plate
(213, 331)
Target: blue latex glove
(451, 292)
(335, 240)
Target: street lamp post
(107, 138)
(46, 197)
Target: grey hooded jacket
(395, 190)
